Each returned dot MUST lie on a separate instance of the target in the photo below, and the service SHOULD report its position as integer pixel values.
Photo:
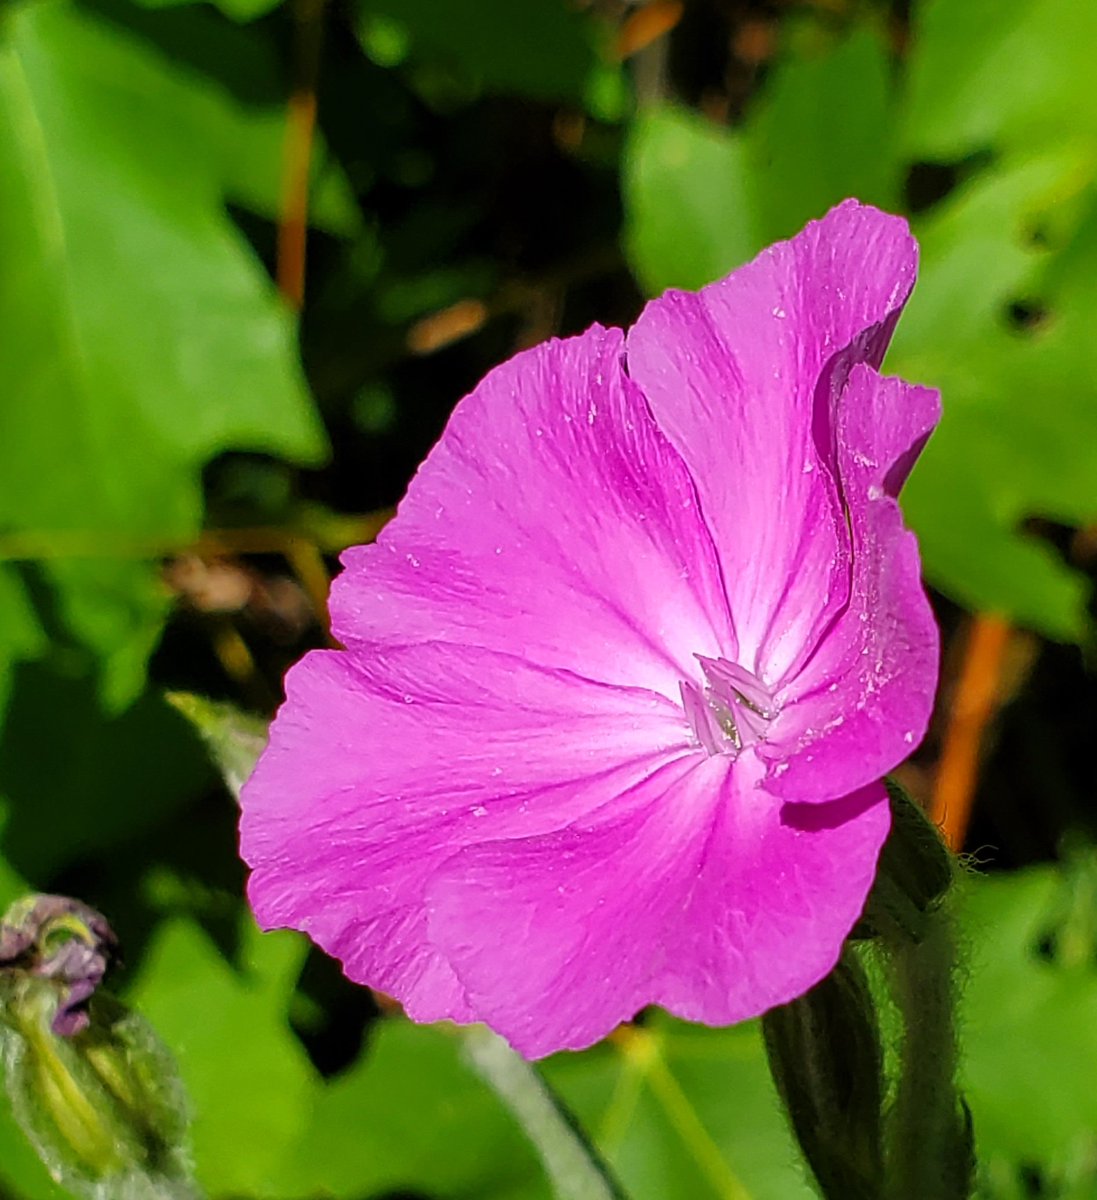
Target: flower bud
(825, 1055)
(912, 879)
(90, 1084)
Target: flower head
(623, 675)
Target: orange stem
(647, 25)
(973, 706)
(297, 154)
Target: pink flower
(623, 675)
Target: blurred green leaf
(142, 337)
(999, 71)
(822, 131)
(540, 48)
(684, 1111)
(701, 199)
(687, 195)
(1029, 1025)
(238, 10)
(75, 781)
(22, 1173)
(1017, 402)
(248, 1078)
(23, 636)
(411, 1116)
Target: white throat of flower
(731, 710)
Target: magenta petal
(704, 895)
(863, 702)
(739, 377)
(624, 673)
(554, 521)
(380, 768)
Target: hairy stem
(930, 1151)
(571, 1163)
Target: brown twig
(976, 699)
(647, 25)
(297, 153)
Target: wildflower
(624, 674)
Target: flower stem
(930, 1135)
(573, 1166)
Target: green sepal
(913, 877)
(827, 1062)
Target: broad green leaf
(684, 1111)
(821, 132)
(145, 339)
(248, 1078)
(412, 1116)
(1019, 430)
(991, 72)
(240, 105)
(1029, 1025)
(701, 199)
(142, 337)
(690, 216)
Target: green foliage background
(486, 173)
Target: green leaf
(142, 336)
(822, 132)
(238, 10)
(75, 781)
(1029, 1025)
(139, 306)
(248, 1078)
(540, 48)
(1018, 435)
(22, 1173)
(684, 1111)
(412, 1116)
(690, 217)
(700, 199)
(999, 71)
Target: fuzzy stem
(573, 1166)
(930, 1151)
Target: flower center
(731, 710)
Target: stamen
(749, 689)
(733, 711)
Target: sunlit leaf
(1029, 1025)
(684, 1111)
(141, 336)
(701, 199)
(247, 1076)
(1019, 432)
(410, 1116)
(987, 72)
